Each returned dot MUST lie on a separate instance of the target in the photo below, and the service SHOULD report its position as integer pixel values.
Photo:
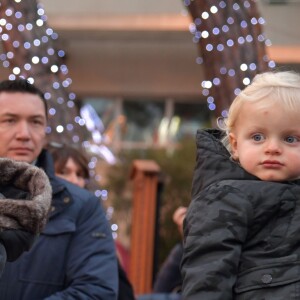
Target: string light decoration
(232, 47)
(29, 51)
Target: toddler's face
(266, 141)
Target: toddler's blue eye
(257, 137)
(291, 139)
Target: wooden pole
(144, 175)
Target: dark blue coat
(2, 258)
(74, 257)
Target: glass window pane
(143, 119)
(188, 118)
(105, 125)
(104, 107)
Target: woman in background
(72, 165)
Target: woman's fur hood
(25, 197)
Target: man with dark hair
(74, 257)
(22, 86)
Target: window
(190, 117)
(143, 119)
(140, 123)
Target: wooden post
(144, 175)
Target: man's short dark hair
(22, 86)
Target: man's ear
(233, 144)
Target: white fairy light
(27, 67)
(59, 128)
(244, 67)
(205, 34)
(213, 9)
(40, 11)
(246, 81)
(205, 15)
(39, 22)
(5, 37)
(16, 70)
(35, 60)
(54, 68)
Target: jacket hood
(213, 162)
(25, 196)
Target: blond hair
(269, 88)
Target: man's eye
(291, 139)
(8, 120)
(37, 122)
(257, 137)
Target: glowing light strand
(31, 53)
(223, 42)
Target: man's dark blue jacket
(73, 258)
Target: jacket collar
(45, 162)
(61, 197)
(213, 161)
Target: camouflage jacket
(241, 234)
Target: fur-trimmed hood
(26, 196)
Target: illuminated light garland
(216, 41)
(41, 53)
(13, 24)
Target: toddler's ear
(233, 144)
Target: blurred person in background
(71, 164)
(168, 282)
(168, 279)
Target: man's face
(22, 126)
